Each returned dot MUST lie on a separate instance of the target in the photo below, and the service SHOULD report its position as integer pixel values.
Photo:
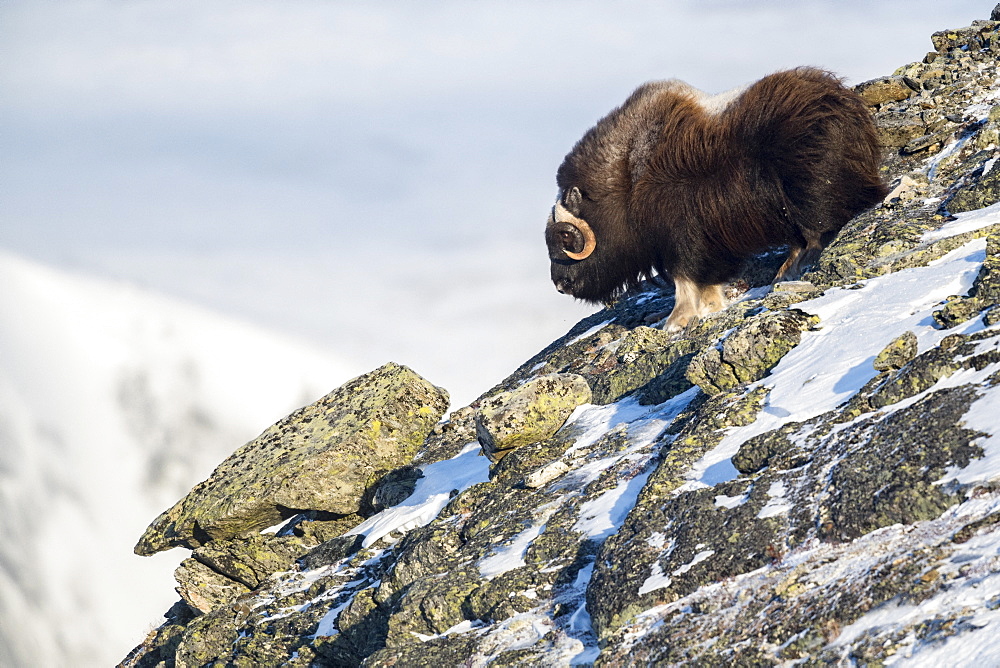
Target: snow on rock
(601, 517)
(511, 556)
(440, 481)
(967, 221)
(833, 362)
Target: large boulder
(322, 457)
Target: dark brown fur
(670, 187)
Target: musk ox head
(571, 242)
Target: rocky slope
(809, 477)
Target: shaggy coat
(679, 183)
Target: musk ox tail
(803, 129)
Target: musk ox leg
(692, 301)
(799, 259)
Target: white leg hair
(692, 301)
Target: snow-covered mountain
(113, 401)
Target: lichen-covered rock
(391, 489)
(624, 561)
(886, 89)
(204, 588)
(449, 437)
(253, 559)
(980, 193)
(786, 293)
(331, 551)
(531, 413)
(750, 352)
(985, 292)
(322, 457)
(900, 350)
(645, 358)
(980, 35)
(898, 131)
(805, 481)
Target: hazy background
(368, 180)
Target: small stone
(906, 184)
(897, 130)
(332, 551)
(205, 589)
(900, 350)
(977, 194)
(394, 488)
(533, 412)
(923, 143)
(991, 316)
(787, 293)
(546, 474)
(886, 89)
(955, 311)
(253, 559)
(802, 287)
(951, 341)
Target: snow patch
(697, 559)
(656, 580)
(776, 504)
(657, 540)
(511, 556)
(646, 422)
(431, 494)
(975, 595)
(723, 501)
(603, 516)
(988, 166)
(981, 416)
(968, 221)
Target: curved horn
(589, 240)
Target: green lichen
(900, 350)
(322, 457)
(750, 352)
(531, 413)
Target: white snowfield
(113, 402)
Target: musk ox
(679, 183)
